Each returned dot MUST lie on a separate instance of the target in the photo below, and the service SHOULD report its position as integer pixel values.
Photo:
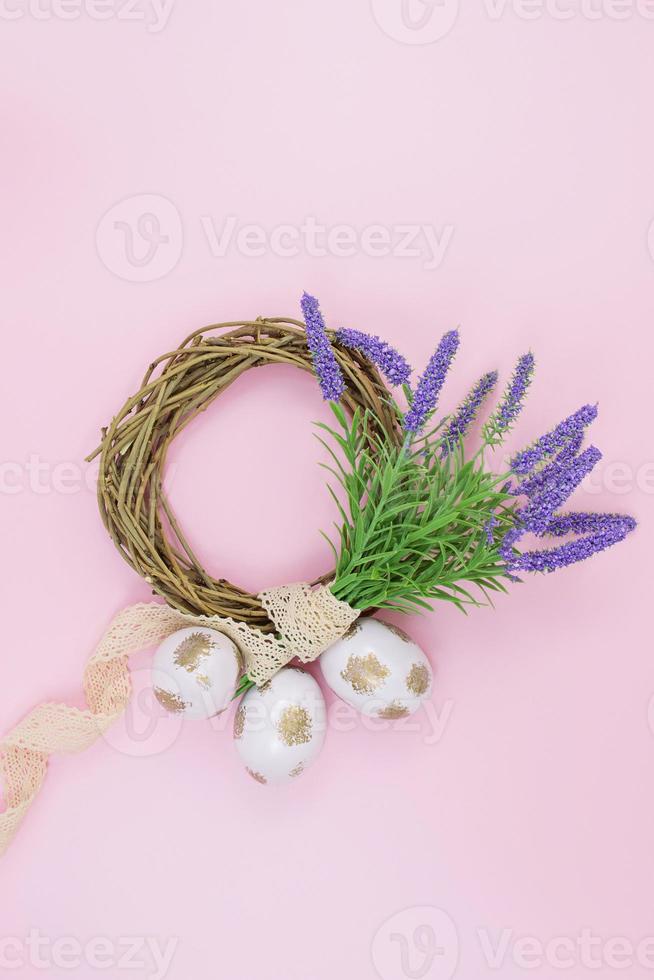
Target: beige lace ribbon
(308, 621)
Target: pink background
(532, 140)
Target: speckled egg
(378, 669)
(279, 729)
(195, 672)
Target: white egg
(195, 672)
(279, 729)
(378, 669)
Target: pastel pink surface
(523, 801)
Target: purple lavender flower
(538, 513)
(430, 384)
(488, 529)
(576, 522)
(534, 484)
(389, 361)
(511, 404)
(525, 461)
(508, 543)
(602, 531)
(548, 488)
(467, 412)
(324, 361)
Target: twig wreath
(420, 517)
(176, 388)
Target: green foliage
(244, 686)
(414, 525)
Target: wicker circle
(133, 451)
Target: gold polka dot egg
(279, 729)
(195, 672)
(378, 669)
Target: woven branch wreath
(177, 387)
(421, 517)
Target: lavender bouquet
(427, 520)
